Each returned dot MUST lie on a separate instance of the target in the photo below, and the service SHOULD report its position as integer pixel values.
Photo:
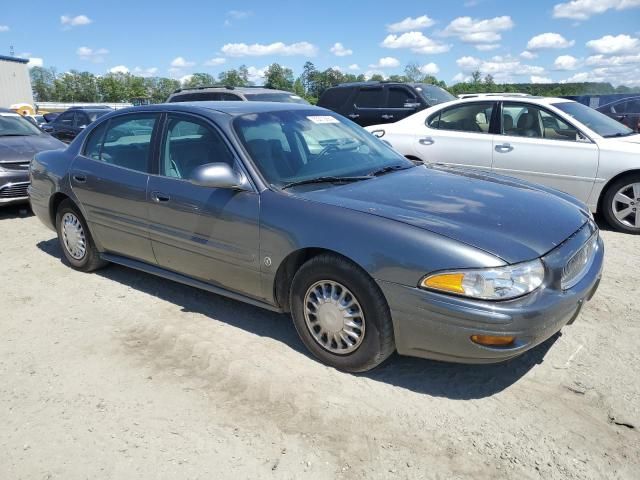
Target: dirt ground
(122, 375)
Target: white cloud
(613, 61)
(549, 40)
(528, 55)
(4, 28)
(485, 47)
(416, 42)
(214, 62)
(386, 62)
(145, 72)
(339, 50)
(337, 68)
(239, 14)
(91, 55)
(278, 48)
(76, 21)
(537, 79)
(461, 77)
(430, 69)
(583, 9)
(119, 69)
(473, 30)
(566, 62)
(370, 73)
(503, 69)
(185, 78)
(35, 62)
(612, 45)
(354, 66)
(181, 62)
(410, 24)
(256, 75)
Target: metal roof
(230, 108)
(14, 59)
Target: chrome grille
(578, 265)
(14, 190)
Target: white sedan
(552, 141)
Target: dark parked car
(294, 209)
(373, 103)
(20, 140)
(71, 122)
(234, 94)
(626, 111)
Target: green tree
(235, 77)
(476, 77)
(199, 80)
(376, 77)
(412, 72)
(42, 83)
(279, 77)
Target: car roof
(248, 90)
(230, 108)
(511, 98)
(377, 82)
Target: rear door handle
(504, 148)
(426, 141)
(160, 197)
(79, 178)
(387, 116)
(354, 115)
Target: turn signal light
(448, 282)
(493, 340)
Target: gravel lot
(119, 374)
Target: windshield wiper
(389, 169)
(328, 179)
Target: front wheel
(340, 314)
(75, 239)
(621, 204)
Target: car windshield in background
(596, 121)
(97, 114)
(301, 145)
(276, 97)
(13, 125)
(434, 94)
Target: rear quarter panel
(49, 175)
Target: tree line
(76, 86)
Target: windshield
(433, 94)
(276, 97)
(299, 145)
(14, 125)
(596, 121)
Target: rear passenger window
(126, 142)
(94, 142)
(398, 96)
(472, 117)
(189, 144)
(335, 97)
(370, 98)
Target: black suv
(373, 103)
(71, 122)
(238, 94)
(626, 111)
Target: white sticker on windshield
(323, 119)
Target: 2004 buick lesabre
(296, 209)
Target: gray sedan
(296, 209)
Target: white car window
(471, 117)
(523, 120)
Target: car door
(369, 106)
(211, 234)
(63, 127)
(538, 145)
(110, 179)
(458, 135)
(401, 102)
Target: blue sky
(553, 40)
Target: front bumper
(13, 186)
(439, 326)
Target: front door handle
(426, 141)
(79, 178)
(354, 115)
(160, 197)
(387, 116)
(504, 148)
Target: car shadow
(21, 210)
(449, 380)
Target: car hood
(22, 149)
(513, 220)
(630, 139)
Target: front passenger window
(126, 142)
(189, 144)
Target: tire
(610, 207)
(337, 282)
(87, 258)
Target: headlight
(500, 283)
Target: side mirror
(218, 175)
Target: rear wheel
(621, 204)
(340, 314)
(75, 239)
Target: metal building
(15, 83)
